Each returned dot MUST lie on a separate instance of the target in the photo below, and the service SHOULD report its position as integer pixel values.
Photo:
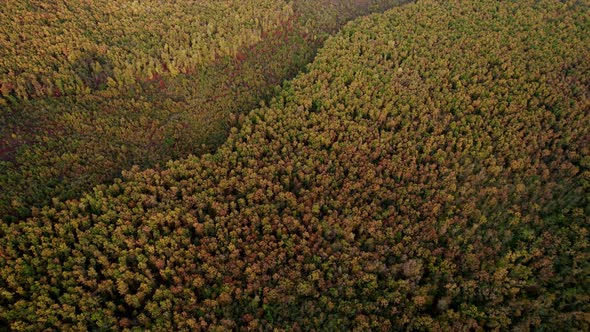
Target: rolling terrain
(89, 90)
(430, 170)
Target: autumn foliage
(92, 88)
(429, 171)
(76, 46)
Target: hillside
(429, 171)
(91, 90)
(74, 46)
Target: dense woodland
(76, 46)
(138, 83)
(430, 170)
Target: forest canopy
(91, 89)
(76, 46)
(429, 171)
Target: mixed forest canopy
(75, 46)
(89, 89)
(430, 170)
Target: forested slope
(430, 171)
(74, 46)
(111, 84)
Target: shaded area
(401, 183)
(61, 147)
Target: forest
(428, 170)
(91, 90)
